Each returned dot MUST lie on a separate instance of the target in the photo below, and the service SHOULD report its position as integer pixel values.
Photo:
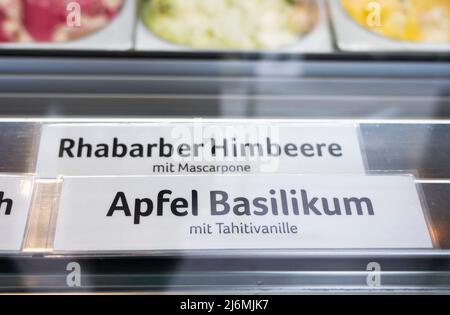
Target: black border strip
(233, 56)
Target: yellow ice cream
(406, 20)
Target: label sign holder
(426, 213)
(44, 206)
(235, 251)
(361, 147)
(18, 191)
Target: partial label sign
(239, 212)
(198, 148)
(15, 198)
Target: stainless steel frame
(402, 107)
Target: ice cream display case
(257, 146)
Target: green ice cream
(230, 24)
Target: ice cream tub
(67, 24)
(223, 25)
(391, 25)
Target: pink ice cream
(46, 20)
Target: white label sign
(15, 197)
(239, 212)
(198, 148)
